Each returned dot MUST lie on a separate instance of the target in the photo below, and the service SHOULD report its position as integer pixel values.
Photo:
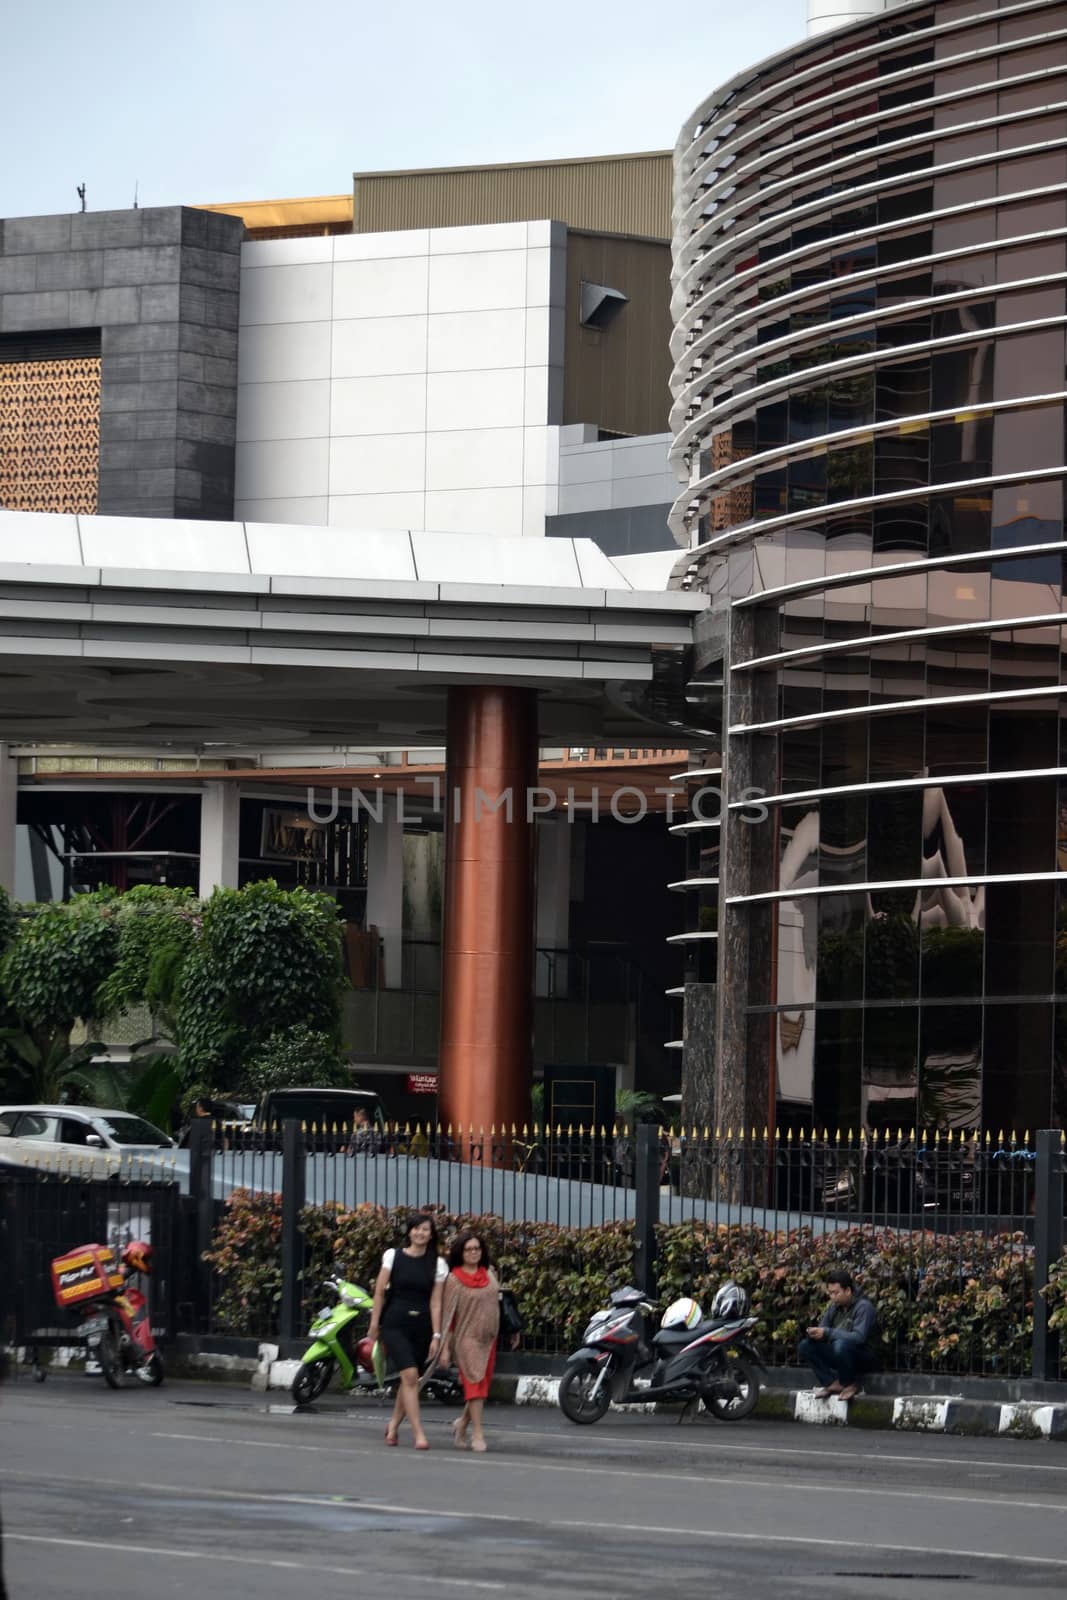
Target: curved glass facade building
(870, 306)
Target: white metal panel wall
(403, 380)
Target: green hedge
(947, 1303)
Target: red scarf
(478, 1279)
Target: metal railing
(955, 1237)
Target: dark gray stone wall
(162, 286)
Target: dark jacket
(853, 1324)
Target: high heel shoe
(422, 1444)
(390, 1438)
(459, 1438)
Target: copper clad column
(487, 944)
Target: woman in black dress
(407, 1314)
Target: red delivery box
(84, 1273)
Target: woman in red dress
(471, 1322)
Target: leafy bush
(292, 1057)
(559, 1276)
(265, 959)
(1055, 1292)
(946, 1303)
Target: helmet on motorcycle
(684, 1313)
(137, 1257)
(365, 1354)
(730, 1303)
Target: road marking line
(704, 1479)
(663, 1477)
(582, 1525)
(829, 1453)
(391, 1577)
(636, 1440)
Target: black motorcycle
(712, 1360)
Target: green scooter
(360, 1366)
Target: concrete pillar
(385, 888)
(220, 816)
(488, 924)
(554, 835)
(9, 779)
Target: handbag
(510, 1320)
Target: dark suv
(321, 1111)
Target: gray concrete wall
(615, 491)
(162, 285)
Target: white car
(29, 1133)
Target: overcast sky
(201, 101)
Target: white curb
(916, 1415)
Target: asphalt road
(214, 1492)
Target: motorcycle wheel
(311, 1381)
(576, 1399)
(736, 1410)
(151, 1371)
(109, 1355)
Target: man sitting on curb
(842, 1348)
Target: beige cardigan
(471, 1322)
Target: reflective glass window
(1016, 1066)
(850, 472)
(896, 746)
(891, 958)
(840, 946)
(770, 493)
(1031, 436)
(1019, 935)
(963, 272)
(896, 204)
(1028, 513)
(1022, 839)
(842, 839)
(961, 449)
(838, 1059)
(956, 739)
(902, 389)
(807, 482)
(902, 528)
(890, 1065)
(953, 953)
(807, 413)
(904, 246)
(844, 751)
(772, 425)
(950, 1066)
(895, 831)
(1021, 738)
(960, 523)
(800, 759)
(850, 401)
(954, 846)
(902, 460)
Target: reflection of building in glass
(870, 261)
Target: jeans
(837, 1358)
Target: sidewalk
(911, 1403)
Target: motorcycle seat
(678, 1338)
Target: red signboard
(421, 1083)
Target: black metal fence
(44, 1214)
(953, 1236)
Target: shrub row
(947, 1303)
